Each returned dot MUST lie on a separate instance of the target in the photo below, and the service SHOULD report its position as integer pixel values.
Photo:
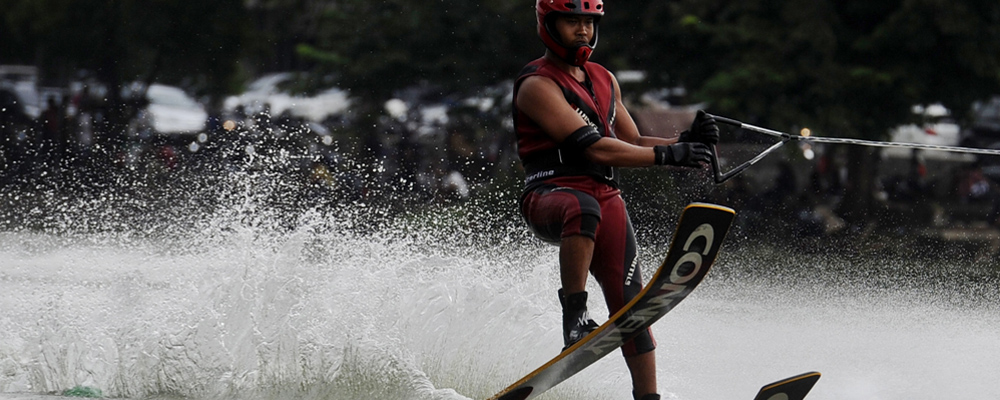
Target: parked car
(936, 127)
(168, 110)
(258, 94)
(284, 92)
(167, 121)
(984, 131)
(21, 84)
(13, 105)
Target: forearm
(650, 141)
(617, 153)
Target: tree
(196, 44)
(381, 46)
(846, 68)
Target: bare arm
(542, 100)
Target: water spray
(783, 137)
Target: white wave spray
(254, 296)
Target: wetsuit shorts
(568, 206)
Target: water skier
(573, 131)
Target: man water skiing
(573, 131)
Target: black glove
(683, 154)
(703, 130)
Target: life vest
(594, 99)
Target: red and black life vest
(593, 99)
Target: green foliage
(172, 41)
(83, 391)
(385, 45)
(313, 53)
(853, 67)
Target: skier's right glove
(685, 154)
(703, 130)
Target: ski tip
(712, 206)
(792, 388)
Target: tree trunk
(858, 204)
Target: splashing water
(253, 296)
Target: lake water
(244, 300)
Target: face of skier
(574, 29)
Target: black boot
(576, 321)
(651, 396)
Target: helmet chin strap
(580, 55)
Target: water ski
(696, 242)
(794, 388)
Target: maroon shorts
(569, 206)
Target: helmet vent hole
(586, 5)
(570, 5)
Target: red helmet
(545, 10)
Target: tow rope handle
(783, 138)
(720, 176)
